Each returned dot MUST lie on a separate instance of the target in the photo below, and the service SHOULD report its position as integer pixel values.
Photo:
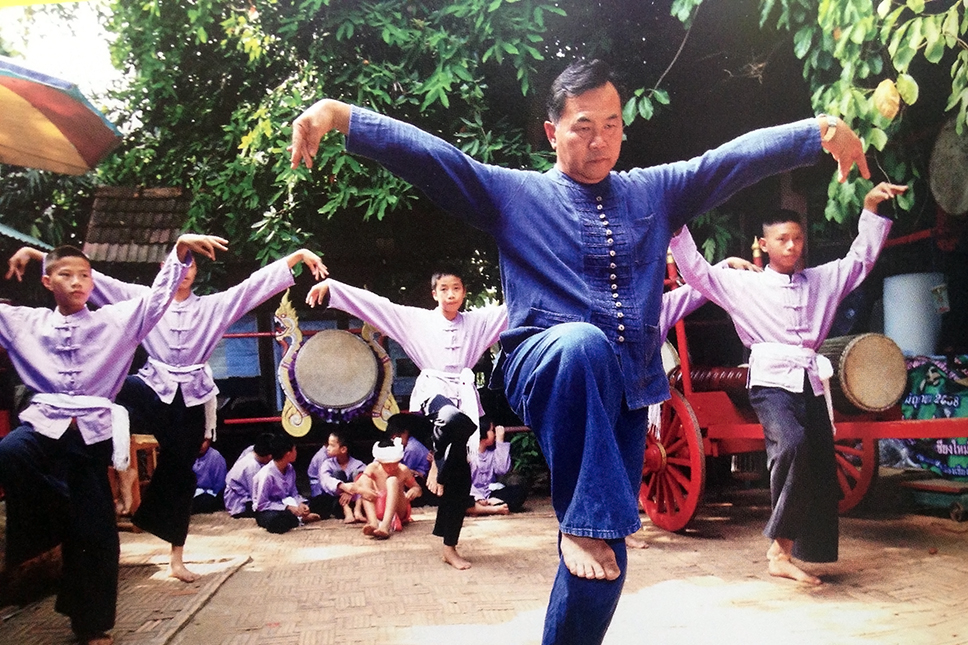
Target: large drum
(870, 374)
(336, 375)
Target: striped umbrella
(46, 123)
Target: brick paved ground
(901, 579)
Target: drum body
(336, 375)
(870, 374)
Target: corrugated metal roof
(135, 225)
(24, 238)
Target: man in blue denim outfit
(582, 262)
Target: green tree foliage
(863, 60)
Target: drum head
(335, 370)
(873, 372)
(948, 170)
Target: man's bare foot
(589, 558)
(453, 559)
(635, 542)
(180, 572)
(783, 567)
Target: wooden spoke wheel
(674, 468)
(857, 463)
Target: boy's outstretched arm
(317, 295)
(881, 193)
(18, 262)
(311, 260)
(204, 244)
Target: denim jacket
(573, 252)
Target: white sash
(802, 357)
(120, 424)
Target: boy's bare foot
(309, 518)
(453, 559)
(351, 519)
(179, 571)
(781, 565)
(95, 639)
(381, 534)
(635, 542)
(368, 530)
(589, 558)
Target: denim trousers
(803, 472)
(566, 384)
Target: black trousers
(452, 429)
(276, 521)
(58, 492)
(166, 505)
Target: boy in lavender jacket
(783, 325)
(54, 466)
(173, 395)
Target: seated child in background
(332, 476)
(209, 469)
(387, 488)
(416, 456)
(491, 462)
(277, 504)
(240, 481)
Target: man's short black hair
(61, 252)
(781, 216)
(578, 78)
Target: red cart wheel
(857, 462)
(674, 469)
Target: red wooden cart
(710, 417)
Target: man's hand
(880, 193)
(311, 260)
(203, 244)
(312, 125)
(317, 295)
(846, 148)
(18, 262)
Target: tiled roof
(135, 225)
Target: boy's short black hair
(339, 436)
(781, 216)
(578, 78)
(61, 252)
(263, 444)
(485, 425)
(281, 445)
(444, 271)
